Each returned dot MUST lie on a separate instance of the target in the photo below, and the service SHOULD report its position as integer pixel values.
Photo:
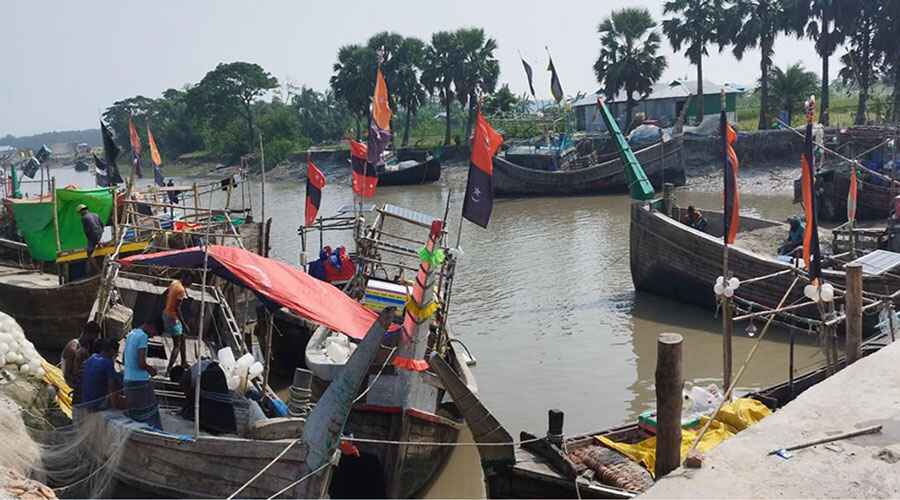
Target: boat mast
(727, 304)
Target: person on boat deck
(794, 239)
(140, 400)
(93, 232)
(173, 319)
(695, 219)
(74, 354)
(100, 383)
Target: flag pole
(727, 323)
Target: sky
(64, 62)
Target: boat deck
(859, 396)
(31, 278)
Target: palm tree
(353, 81)
(409, 89)
(756, 23)
(823, 21)
(697, 24)
(791, 87)
(863, 59)
(478, 70)
(439, 69)
(628, 58)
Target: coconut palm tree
(628, 56)
(439, 69)
(353, 80)
(790, 87)
(756, 23)
(887, 32)
(826, 22)
(695, 24)
(402, 59)
(478, 70)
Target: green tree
(862, 61)
(628, 56)
(403, 57)
(501, 101)
(229, 91)
(116, 116)
(756, 23)
(321, 117)
(478, 69)
(280, 126)
(887, 33)
(790, 87)
(353, 80)
(696, 24)
(439, 70)
(824, 22)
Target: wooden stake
(853, 301)
(668, 199)
(669, 386)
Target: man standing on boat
(173, 319)
(100, 381)
(93, 232)
(74, 354)
(140, 400)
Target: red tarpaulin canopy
(273, 282)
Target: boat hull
(425, 172)
(661, 163)
(206, 467)
(50, 316)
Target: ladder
(230, 322)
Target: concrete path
(865, 394)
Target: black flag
(555, 87)
(111, 153)
(530, 74)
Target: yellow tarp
(731, 419)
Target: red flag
(364, 177)
(732, 200)
(479, 200)
(315, 181)
(851, 195)
(807, 179)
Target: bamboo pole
(262, 190)
(197, 387)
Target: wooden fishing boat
(552, 466)
(669, 258)
(405, 402)
(587, 175)
(265, 457)
(410, 172)
(874, 198)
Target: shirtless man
(75, 353)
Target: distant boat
(586, 174)
(410, 172)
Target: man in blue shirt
(139, 396)
(99, 380)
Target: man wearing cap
(93, 231)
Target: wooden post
(668, 198)
(555, 419)
(669, 386)
(196, 197)
(262, 189)
(727, 332)
(55, 215)
(854, 303)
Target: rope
(264, 469)
(432, 443)
(304, 478)
(380, 370)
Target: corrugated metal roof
(668, 90)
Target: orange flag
(133, 138)
(851, 195)
(154, 152)
(381, 112)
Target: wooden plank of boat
(101, 251)
(661, 163)
(671, 259)
(424, 172)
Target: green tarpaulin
(34, 220)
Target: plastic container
(255, 369)
(226, 358)
(244, 362)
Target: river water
(544, 300)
